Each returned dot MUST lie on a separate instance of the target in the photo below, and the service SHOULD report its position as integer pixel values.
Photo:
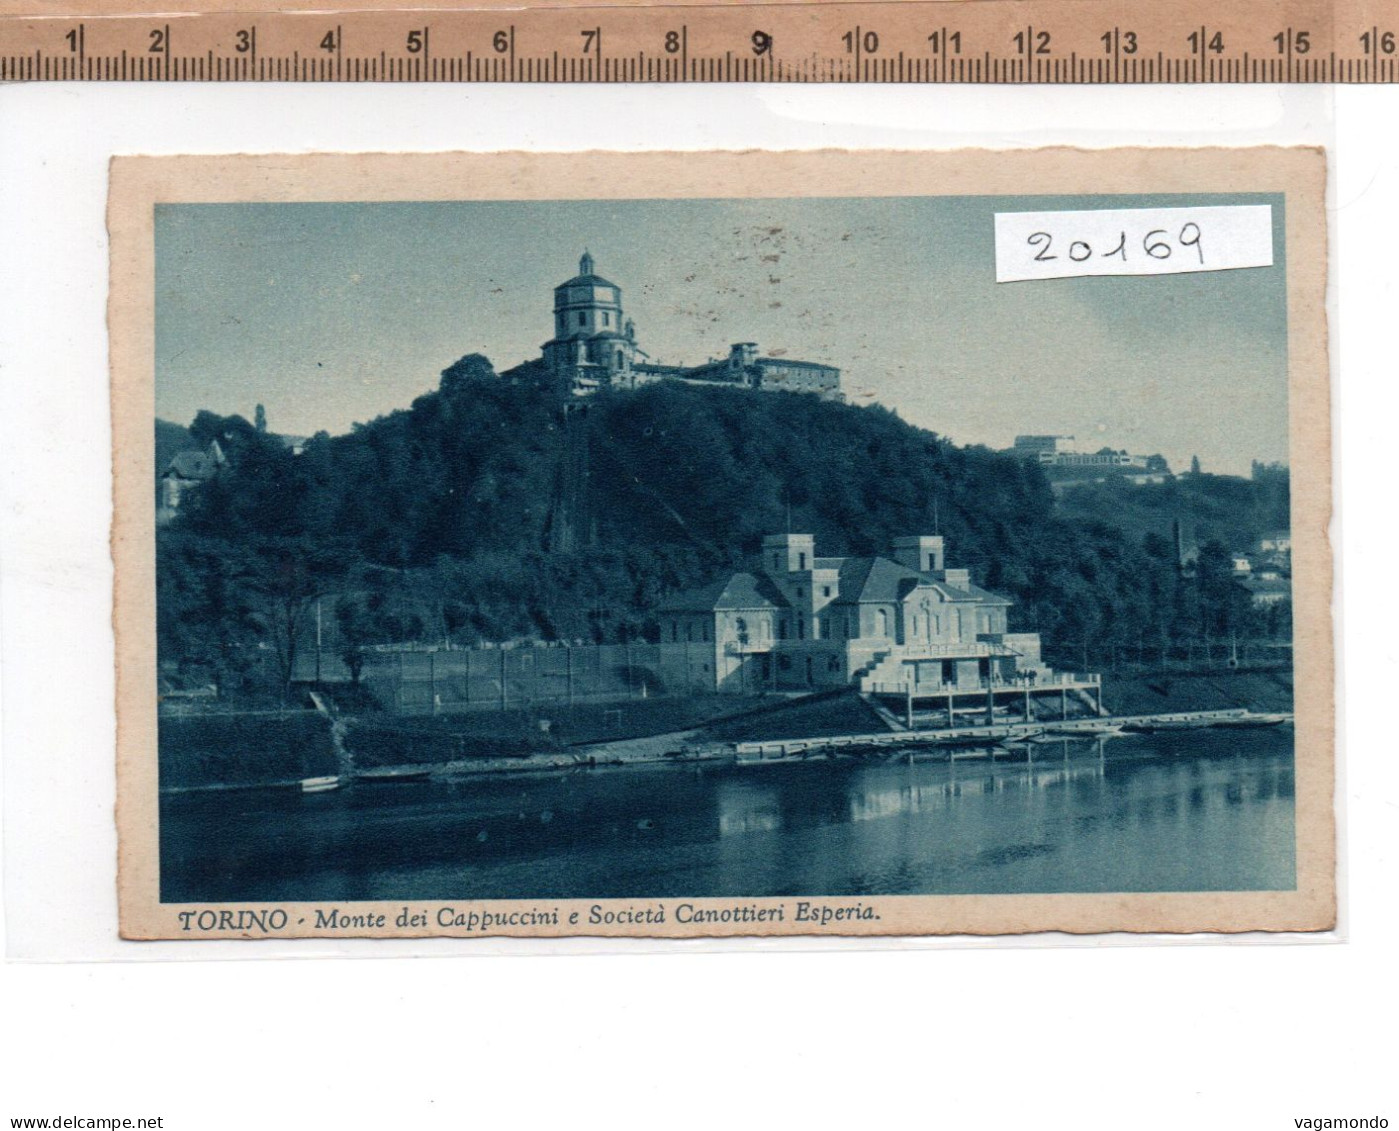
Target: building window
(674, 632)
(776, 561)
(689, 633)
(825, 590)
(801, 627)
(619, 359)
(606, 318)
(581, 318)
(800, 591)
(801, 560)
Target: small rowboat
(1251, 720)
(320, 785)
(1168, 725)
(1091, 730)
(392, 777)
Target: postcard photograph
(722, 544)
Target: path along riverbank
(285, 750)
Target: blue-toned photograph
(744, 548)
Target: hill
(492, 510)
(1232, 511)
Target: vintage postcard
(722, 544)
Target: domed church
(594, 347)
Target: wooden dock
(885, 743)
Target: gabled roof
(737, 591)
(868, 579)
(885, 580)
(193, 465)
(977, 593)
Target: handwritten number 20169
(1156, 244)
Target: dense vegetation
(443, 522)
(1226, 509)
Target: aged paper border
(138, 183)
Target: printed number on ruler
(973, 41)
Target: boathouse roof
(737, 591)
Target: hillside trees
(432, 523)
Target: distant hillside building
(903, 625)
(1264, 591)
(188, 471)
(1042, 448)
(193, 467)
(595, 346)
(1061, 462)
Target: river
(1205, 810)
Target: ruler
(882, 41)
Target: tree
(465, 371)
(1224, 604)
(285, 578)
(260, 419)
(447, 504)
(356, 631)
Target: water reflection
(747, 808)
(1211, 810)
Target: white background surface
(1064, 1034)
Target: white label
(1132, 241)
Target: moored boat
(1157, 726)
(389, 777)
(1252, 720)
(1090, 730)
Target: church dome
(586, 276)
(586, 280)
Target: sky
(329, 314)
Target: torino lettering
(264, 920)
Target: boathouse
(903, 626)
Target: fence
(467, 679)
(1177, 655)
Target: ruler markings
(887, 43)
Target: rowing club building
(903, 626)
